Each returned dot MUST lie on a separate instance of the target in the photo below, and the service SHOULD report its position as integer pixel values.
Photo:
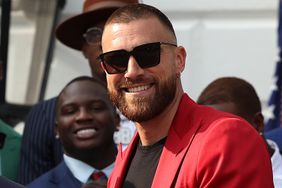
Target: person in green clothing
(10, 142)
(10, 151)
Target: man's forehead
(129, 35)
(132, 23)
(77, 90)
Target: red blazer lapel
(178, 141)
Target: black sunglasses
(146, 55)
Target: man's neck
(157, 128)
(106, 158)
(98, 158)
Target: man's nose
(133, 69)
(83, 114)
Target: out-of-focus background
(222, 38)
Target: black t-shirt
(143, 165)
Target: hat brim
(71, 31)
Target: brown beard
(146, 108)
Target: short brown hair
(133, 12)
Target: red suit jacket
(205, 148)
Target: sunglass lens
(116, 61)
(147, 55)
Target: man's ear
(57, 135)
(181, 58)
(259, 122)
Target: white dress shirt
(81, 170)
(276, 160)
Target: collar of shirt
(276, 161)
(81, 170)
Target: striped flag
(275, 101)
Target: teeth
(139, 88)
(86, 132)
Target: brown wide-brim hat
(70, 32)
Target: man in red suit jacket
(178, 143)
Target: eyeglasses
(146, 55)
(93, 35)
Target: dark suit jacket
(40, 150)
(276, 136)
(59, 177)
(205, 148)
(6, 183)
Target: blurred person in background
(10, 142)
(237, 96)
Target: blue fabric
(59, 177)
(275, 135)
(40, 150)
(276, 101)
(6, 183)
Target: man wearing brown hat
(41, 151)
